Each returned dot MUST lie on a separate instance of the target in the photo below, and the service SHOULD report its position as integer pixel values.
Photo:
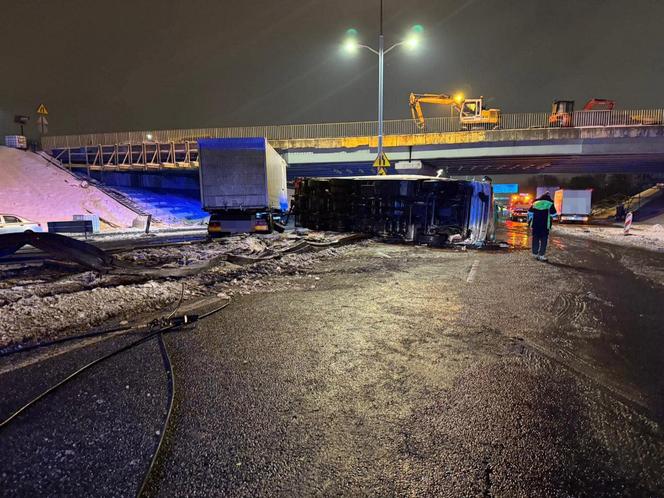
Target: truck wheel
(431, 240)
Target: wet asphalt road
(392, 370)
(93, 437)
(412, 371)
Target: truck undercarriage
(428, 210)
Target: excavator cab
(471, 108)
(561, 115)
(473, 114)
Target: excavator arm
(599, 105)
(416, 99)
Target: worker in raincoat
(540, 215)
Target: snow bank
(33, 188)
(649, 237)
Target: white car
(10, 223)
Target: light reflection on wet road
(517, 236)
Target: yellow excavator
(472, 113)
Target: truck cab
(518, 207)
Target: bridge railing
(578, 119)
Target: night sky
(135, 65)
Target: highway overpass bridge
(599, 142)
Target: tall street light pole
(381, 58)
(351, 45)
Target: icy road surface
(400, 373)
(386, 370)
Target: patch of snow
(650, 237)
(33, 188)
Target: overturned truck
(412, 208)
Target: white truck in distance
(243, 185)
(573, 205)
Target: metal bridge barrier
(178, 149)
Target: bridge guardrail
(578, 119)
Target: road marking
(473, 271)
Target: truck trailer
(411, 208)
(573, 205)
(243, 185)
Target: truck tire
(431, 240)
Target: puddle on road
(517, 236)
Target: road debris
(53, 301)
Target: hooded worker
(540, 216)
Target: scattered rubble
(42, 305)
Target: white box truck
(573, 205)
(243, 185)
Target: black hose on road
(75, 374)
(171, 399)
(175, 323)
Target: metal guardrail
(578, 119)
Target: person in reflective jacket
(540, 215)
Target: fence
(578, 119)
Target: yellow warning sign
(382, 161)
(42, 110)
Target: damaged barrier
(68, 249)
(60, 246)
(411, 208)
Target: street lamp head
(414, 37)
(458, 98)
(412, 42)
(350, 44)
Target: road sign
(42, 122)
(382, 161)
(42, 110)
(628, 223)
(408, 165)
(505, 188)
